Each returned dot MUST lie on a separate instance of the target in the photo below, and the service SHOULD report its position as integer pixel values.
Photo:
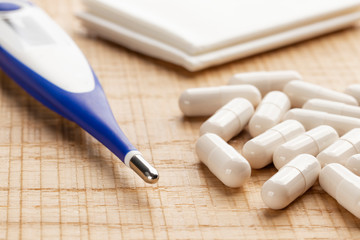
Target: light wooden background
(57, 182)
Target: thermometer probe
(39, 56)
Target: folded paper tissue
(197, 34)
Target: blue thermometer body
(40, 57)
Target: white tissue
(200, 33)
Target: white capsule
(332, 107)
(342, 149)
(206, 101)
(311, 142)
(343, 185)
(354, 90)
(291, 181)
(266, 81)
(259, 150)
(353, 164)
(299, 92)
(229, 120)
(269, 112)
(223, 160)
(311, 119)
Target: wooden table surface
(57, 182)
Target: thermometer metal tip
(147, 172)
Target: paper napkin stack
(201, 33)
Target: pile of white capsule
(318, 138)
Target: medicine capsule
(291, 181)
(299, 92)
(229, 120)
(223, 160)
(266, 81)
(206, 101)
(311, 119)
(342, 149)
(343, 185)
(311, 142)
(354, 90)
(259, 150)
(332, 107)
(269, 112)
(353, 164)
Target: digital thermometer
(38, 55)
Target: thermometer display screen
(29, 30)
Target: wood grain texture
(57, 182)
